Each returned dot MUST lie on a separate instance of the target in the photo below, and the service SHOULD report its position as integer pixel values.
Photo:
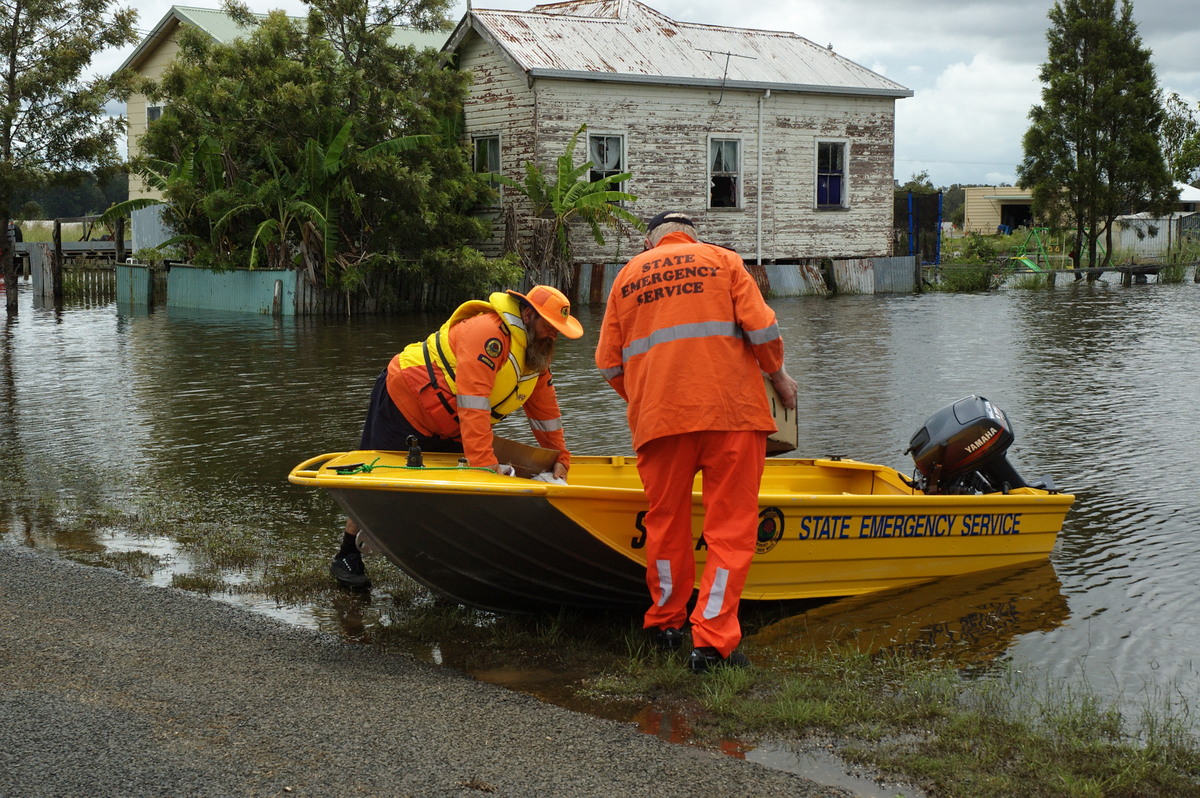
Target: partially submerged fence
(290, 293)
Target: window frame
(738, 173)
(476, 140)
(623, 164)
(153, 113)
(843, 174)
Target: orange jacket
(480, 344)
(686, 335)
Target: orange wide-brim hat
(553, 306)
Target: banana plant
(569, 195)
(304, 205)
(201, 166)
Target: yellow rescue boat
(826, 527)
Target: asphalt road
(112, 687)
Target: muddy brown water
(200, 415)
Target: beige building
(988, 208)
(152, 56)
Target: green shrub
(965, 278)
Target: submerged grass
(920, 721)
(134, 563)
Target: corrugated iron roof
(627, 41)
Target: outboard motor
(961, 450)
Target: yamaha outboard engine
(961, 450)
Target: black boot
(347, 566)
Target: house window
(831, 174)
(724, 170)
(486, 160)
(153, 113)
(607, 154)
(487, 154)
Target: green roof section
(214, 22)
(221, 27)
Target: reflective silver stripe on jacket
(702, 329)
(473, 402)
(612, 373)
(765, 335)
(513, 320)
(546, 424)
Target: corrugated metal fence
(898, 275)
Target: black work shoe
(349, 570)
(705, 658)
(668, 639)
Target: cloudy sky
(972, 63)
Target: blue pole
(911, 241)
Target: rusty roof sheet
(627, 41)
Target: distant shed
(988, 208)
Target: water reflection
(969, 620)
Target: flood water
(200, 415)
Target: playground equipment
(1032, 257)
(1038, 253)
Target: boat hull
(517, 554)
(826, 528)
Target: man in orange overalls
(490, 358)
(685, 340)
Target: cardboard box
(526, 460)
(787, 426)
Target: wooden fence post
(119, 239)
(56, 267)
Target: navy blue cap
(669, 216)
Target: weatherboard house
(779, 147)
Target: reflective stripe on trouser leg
(667, 468)
(716, 594)
(732, 466)
(664, 581)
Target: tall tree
(1092, 151)
(1180, 138)
(308, 117)
(51, 113)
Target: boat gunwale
(418, 480)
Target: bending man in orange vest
(685, 340)
(487, 360)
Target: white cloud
(967, 127)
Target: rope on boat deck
(367, 468)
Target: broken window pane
(607, 154)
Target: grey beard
(539, 355)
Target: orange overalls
(685, 339)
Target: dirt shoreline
(115, 687)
